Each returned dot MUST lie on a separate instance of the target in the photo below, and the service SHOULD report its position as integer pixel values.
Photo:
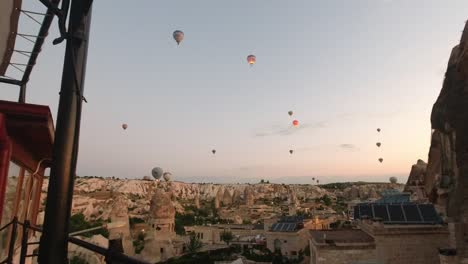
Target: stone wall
(402, 244)
(340, 255)
(291, 242)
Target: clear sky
(344, 67)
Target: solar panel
(396, 214)
(356, 212)
(292, 227)
(380, 211)
(365, 210)
(429, 213)
(401, 213)
(284, 226)
(412, 213)
(274, 227)
(280, 226)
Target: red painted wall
(5, 153)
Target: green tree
(326, 200)
(227, 236)
(78, 260)
(78, 223)
(194, 243)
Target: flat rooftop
(341, 236)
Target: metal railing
(111, 255)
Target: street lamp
(107, 226)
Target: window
(201, 235)
(161, 250)
(294, 253)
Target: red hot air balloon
(295, 123)
(124, 126)
(251, 59)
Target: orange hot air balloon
(124, 126)
(295, 123)
(251, 59)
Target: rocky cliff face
(367, 191)
(416, 182)
(446, 179)
(94, 197)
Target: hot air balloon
(318, 181)
(167, 176)
(213, 151)
(251, 59)
(378, 144)
(178, 36)
(290, 113)
(381, 160)
(291, 151)
(157, 173)
(378, 129)
(124, 126)
(295, 123)
(393, 180)
(313, 179)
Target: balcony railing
(111, 256)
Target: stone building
(211, 235)
(410, 243)
(288, 236)
(341, 247)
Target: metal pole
(54, 240)
(22, 94)
(24, 242)
(86, 230)
(11, 249)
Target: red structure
(26, 140)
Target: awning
(9, 17)
(31, 130)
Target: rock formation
(119, 213)
(236, 196)
(446, 178)
(249, 196)
(416, 182)
(197, 201)
(227, 198)
(219, 198)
